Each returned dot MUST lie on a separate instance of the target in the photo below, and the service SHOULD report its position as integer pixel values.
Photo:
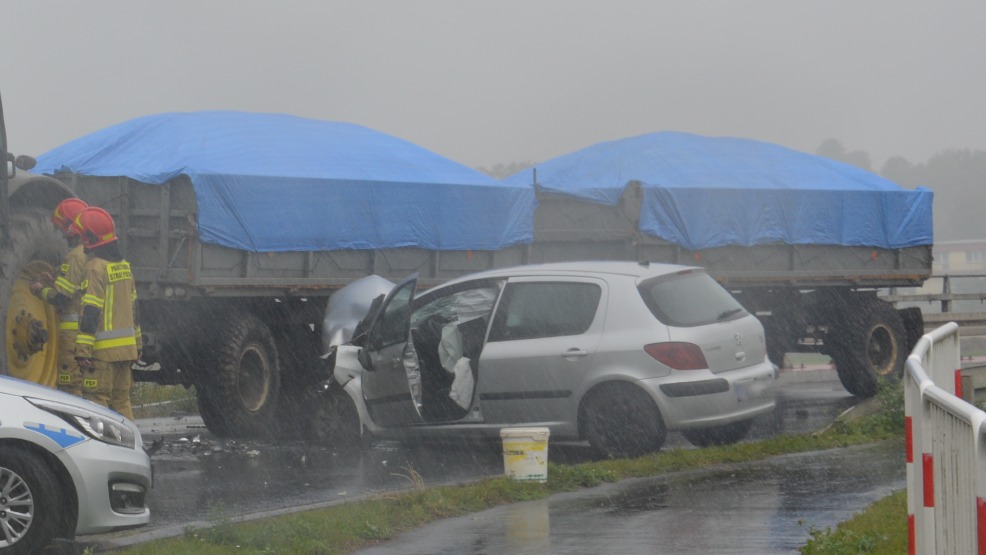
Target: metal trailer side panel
(157, 229)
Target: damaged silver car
(615, 353)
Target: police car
(67, 467)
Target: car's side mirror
(364, 360)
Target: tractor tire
(29, 325)
(870, 348)
(240, 398)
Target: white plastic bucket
(525, 453)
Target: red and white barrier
(946, 451)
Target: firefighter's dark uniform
(66, 295)
(109, 333)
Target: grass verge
(150, 399)
(350, 526)
(880, 529)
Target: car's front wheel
(620, 420)
(337, 421)
(29, 503)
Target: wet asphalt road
(200, 478)
(751, 509)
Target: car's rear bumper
(698, 399)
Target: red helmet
(66, 212)
(95, 226)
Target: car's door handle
(740, 355)
(574, 353)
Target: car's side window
(530, 310)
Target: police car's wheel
(29, 503)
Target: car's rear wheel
(620, 420)
(29, 503)
(718, 435)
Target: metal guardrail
(946, 451)
(939, 308)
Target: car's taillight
(679, 356)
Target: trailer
(241, 323)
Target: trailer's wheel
(913, 321)
(620, 420)
(240, 398)
(210, 410)
(29, 326)
(780, 338)
(869, 347)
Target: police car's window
(531, 310)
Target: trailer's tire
(29, 326)
(211, 411)
(913, 320)
(780, 338)
(240, 398)
(870, 348)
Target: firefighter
(109, 339)
(63, 292)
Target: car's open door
(392, 381)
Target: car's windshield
(689, 298)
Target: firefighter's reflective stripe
(114, 338)
(85, 339)
(108, 308)
(93, 300)
(69, 322)
(66, 286)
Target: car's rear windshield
(689, 298)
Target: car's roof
(598, 267)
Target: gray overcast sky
(510, 81)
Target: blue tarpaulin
(703, 192)
(272, 182)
